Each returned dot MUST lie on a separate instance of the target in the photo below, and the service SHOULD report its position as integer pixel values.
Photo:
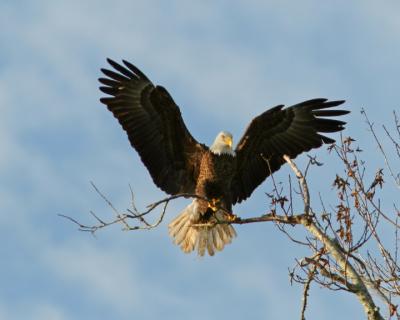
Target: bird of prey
(220, 174)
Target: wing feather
(280, 131)
(154, 126)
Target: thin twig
(306, 289)
(371, 126)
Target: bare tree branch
(355, 283)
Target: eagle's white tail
(188, 236)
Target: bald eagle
(224, 176)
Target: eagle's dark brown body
(179, 164)
(215, 178)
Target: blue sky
(224, 62)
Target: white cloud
(41, 312)
(37, 311)
(107, 277)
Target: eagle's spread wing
(154, 126)
(280, 131)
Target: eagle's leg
(215, 204)
(231, 216)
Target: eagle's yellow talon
(214, 204)
(231, 217)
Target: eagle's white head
(223, 144)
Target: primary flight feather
(224, 176)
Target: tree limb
(357, 284)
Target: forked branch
(354, 281)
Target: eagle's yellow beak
(228, 141)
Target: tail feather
(181, 236)
(190, 237)
(230, 231)
(218, 243)
(202, 241)
(210, 244)
(177, 226)
(190, 241)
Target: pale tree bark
(354, 281)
